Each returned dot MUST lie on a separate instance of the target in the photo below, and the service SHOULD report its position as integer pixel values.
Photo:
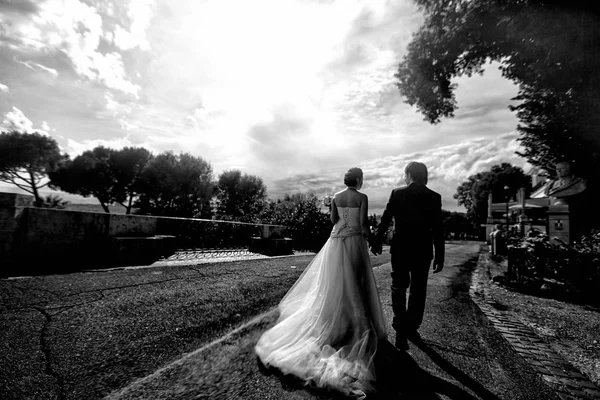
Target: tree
(26, 159)
(112, 176)
(176, 186)
(89, 174)
(240, 197)
(548, 48)
(473, 193)
(128, 165)
(457, 225)
(308, 226)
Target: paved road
(83, 335)
(462, 356)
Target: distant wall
(33, 236)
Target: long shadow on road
(401, 377)
(444, 387)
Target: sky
(294, 91)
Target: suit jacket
(417, 213)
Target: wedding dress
(331, 319)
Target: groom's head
(415, 172)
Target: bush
(539, 259)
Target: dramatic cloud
(71, 28)
(448, 166)
(16, 120)
(140, 14)
(294, 91)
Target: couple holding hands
(331, 320)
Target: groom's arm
(438, 237)
(386, 219)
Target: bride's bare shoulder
(340, 192)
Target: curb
(562, 377)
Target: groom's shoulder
(434, 193)
(399, 191)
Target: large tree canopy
(550, 49)
(127, 166)
(89, 174)
(473, 193)
(26, 159)
(176, 185)
(241, 197)
(112, 176)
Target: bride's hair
(352, 176)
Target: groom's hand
(376, 247)
(438, 265)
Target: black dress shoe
(401, 343)
(414, 336)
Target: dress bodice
(348, 223)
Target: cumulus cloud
(4, 88)
(141, 13)
(74, 29)
(16, 120)
(448, 166)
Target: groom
(417, 213)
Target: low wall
(53, 239)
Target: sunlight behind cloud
(283, 89)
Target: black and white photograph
(299, 199)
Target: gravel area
(572, 330)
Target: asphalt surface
(83, 335)
(138, 334)
(461, 356)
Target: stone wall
(43, 239)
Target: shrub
(536, 257)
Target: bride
(331, 319)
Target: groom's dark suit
(417, 213)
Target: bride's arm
(334, 212)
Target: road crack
(47, 354)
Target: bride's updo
(353, 176)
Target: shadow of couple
(399, 376)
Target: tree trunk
(105, 207)
(129, 205)
(38, 200)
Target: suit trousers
(408, 273)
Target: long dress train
(331, 319)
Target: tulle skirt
(330, 321)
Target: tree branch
(22, 178)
